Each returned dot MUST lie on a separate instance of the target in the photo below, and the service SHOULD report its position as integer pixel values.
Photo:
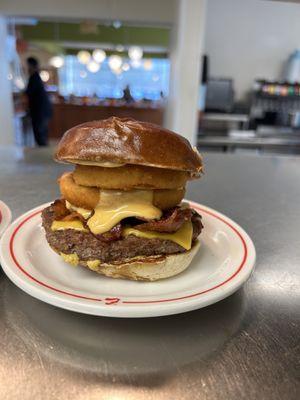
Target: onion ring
(88, 197)
(129, 177)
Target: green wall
(126, 35)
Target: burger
(121, 212)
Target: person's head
(32, 65)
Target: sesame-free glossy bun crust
(127, 141)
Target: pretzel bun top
(118, 141)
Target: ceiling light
(148, 64)
(136, 63)
(99, 55)
(19, 82)
(120, 48)
(117, 24)
(135, 53)
(125, 67)
(57, 61)
(115, 62)
(93, 67)
(83, 56)
(83, 74)
(45, 76)
(118, 71)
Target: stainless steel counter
(244, 347)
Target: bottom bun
(140, 269)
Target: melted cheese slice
(183, 236)
(62, 225)
(72, 259)
(82, 211)
(116, 205)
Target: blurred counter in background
(269, 121)
(284, 143)
(65, 116)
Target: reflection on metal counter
(121, 349)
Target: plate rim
(5, 217)
(130, 308)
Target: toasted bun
(126, 141)
(147, 268)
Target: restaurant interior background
(225, 74)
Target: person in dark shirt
(40, 107)
(127, 95)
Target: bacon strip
(60, 210)
(63, 214)
(171, 221)
(114, 234)
(74, 215)
(197, 224)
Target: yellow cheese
(93, 264)
(70, 258)
(116, 205)
(183, 236)
(82, 211)
(61, 225)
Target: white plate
(224, 262)
(5, 217)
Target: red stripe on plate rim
(198, 208)
(11, 249)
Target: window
(74, 78)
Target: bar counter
(65, 116)
(244, 347)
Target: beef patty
(89, 247)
